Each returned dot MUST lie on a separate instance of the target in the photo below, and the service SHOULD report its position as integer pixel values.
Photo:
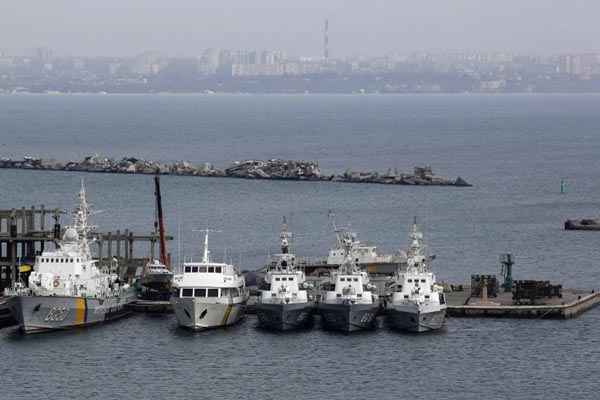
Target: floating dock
(588, 224)
(572, 304)
(151, 306)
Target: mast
(284, 236)
(206, 252)
(160, 221)
(80, 222)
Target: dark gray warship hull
(409, 321)
(7, 311)
(348, 317)
(284, 317)
(37, 314)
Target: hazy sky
(357, 27)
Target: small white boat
(208, 294)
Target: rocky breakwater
(274, 169)
(420, 176)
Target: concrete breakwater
(249, 169)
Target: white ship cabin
(418, 287)
(67, 261)
(211, 282)
(285, 287)
(352, 287)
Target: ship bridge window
(410, 280)
(277, 279)
(218, 270)
(199, 292)
(211, 269)
(71, 260)
(235, 292)
(187, 292)
(188, 269)
(225, 292)
(194, 269)
(355, 279)
(213, 292)
(427, 296)
(406, 296)
(343, 279)
(201, 269)
(423, 280)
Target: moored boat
(283, 304)
(417, 303)
(66, 288)
(208, 294)
(349, 304)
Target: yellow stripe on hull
(227, 312)
(79, 311)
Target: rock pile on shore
(248, 169)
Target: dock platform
(151, 306)
(572, 304)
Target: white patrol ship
(283, 304)
(66, 288)
(417, 303)
(208, 294)
(349, 304)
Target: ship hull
(284, 317)
(348, 317)
(8, 311)
(195, 315)
(36, 314)
(410, 319)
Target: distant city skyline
(187, 27)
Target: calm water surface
(514, 149)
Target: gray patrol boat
(66, 288)
(348, 304)
(283, 303)
(417, 303)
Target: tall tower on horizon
(326, 40)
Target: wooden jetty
(572, 304)
(25, 232)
